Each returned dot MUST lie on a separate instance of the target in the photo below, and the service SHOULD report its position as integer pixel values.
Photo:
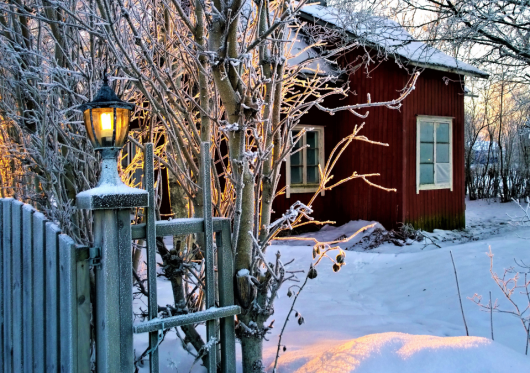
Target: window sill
(307, 188)
(434, 187)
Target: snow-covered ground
(402, 289)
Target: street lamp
(107, 119)
(107, 123)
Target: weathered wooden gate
(226, 309)
(45, 302)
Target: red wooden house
(425, 157)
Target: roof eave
(475, 74)
(310, 17)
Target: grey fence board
(1, 288)
(8, 303)
(187, 319)
(52, 291)
(175, 227)
(39, 287)
(68, 284)
(27, 286)
(16, 269)
(83, 311)
(45, 309)
(74, 351)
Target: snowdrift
(406, 353)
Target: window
(302, 166)
(434, 158)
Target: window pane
(296, 175)
(442, 153)
(443, 171)
(426, 174)
(296, 159)
(442, 132)
(312, 157)
(312, 175)
(426, 132)
(312, 139)
(426, 153)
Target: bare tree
(227, 72)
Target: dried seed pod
(300, 320)
(340, 258)
(289, 293)
(284, 348)
(312, 273)
(336, 267)
(314, 253)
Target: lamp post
(107, 123)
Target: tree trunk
(252, 354)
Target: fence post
(111, 202)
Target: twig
(459, 297)
(491, 318)
(285, 323)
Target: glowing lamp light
(107, 119)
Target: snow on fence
(45, 302)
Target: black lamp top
(106, 98)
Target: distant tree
(488, 32)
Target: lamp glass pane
(122, 128)
(101, 124)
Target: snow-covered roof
(392, 37)
(299, 52)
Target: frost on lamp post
(107, 123)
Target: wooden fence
(45, 302)
(45, 308)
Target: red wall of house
(355, 199)
(395, 163)
(431, 209)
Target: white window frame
(449, 185)
(305, 188)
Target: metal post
(211, 332)
(150, 218)
(111, 201)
